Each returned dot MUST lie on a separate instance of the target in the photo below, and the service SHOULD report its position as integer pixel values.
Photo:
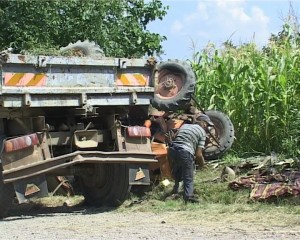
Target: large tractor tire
(85, 48)
(6, 197)
(223, 132)
(105, 185)
(174, 85)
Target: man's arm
(199, 159)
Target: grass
(56, 201)
(215, 198)
(217, 202)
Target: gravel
(92, 223)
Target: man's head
(204, 121)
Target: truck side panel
(46, 81)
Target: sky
(191, 24)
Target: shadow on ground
(32, 209)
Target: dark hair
(205, 118)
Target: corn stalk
(258, 89)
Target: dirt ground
(63, 222)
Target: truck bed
(50, 81)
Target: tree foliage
(118, 26)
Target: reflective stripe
(25, 79)
(132, 79)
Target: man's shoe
(173, 197)
(191, 199)
(175, 189)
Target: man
(186, 148)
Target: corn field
(258, 89)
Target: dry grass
(57, 201)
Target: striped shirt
(190, 137)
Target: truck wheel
(6, 197)
(85, 48)
(106, 185)
(224, 133)
(174, 85)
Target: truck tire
(174, 85)
(85, 48)
(106, 185)
(223, 132)
(6, 197)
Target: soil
(64, 222)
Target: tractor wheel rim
(169, 84)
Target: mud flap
(30, 188)
(139, 174)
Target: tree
(290, 33)
(118, 26)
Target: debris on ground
(269, 186)
(267, 177)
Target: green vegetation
(214, 196)
(257, 88)
(119, 27)
(215, 199)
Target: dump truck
(90, 119)
(82, 116)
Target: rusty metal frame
(77, 157)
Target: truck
(83, 116)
